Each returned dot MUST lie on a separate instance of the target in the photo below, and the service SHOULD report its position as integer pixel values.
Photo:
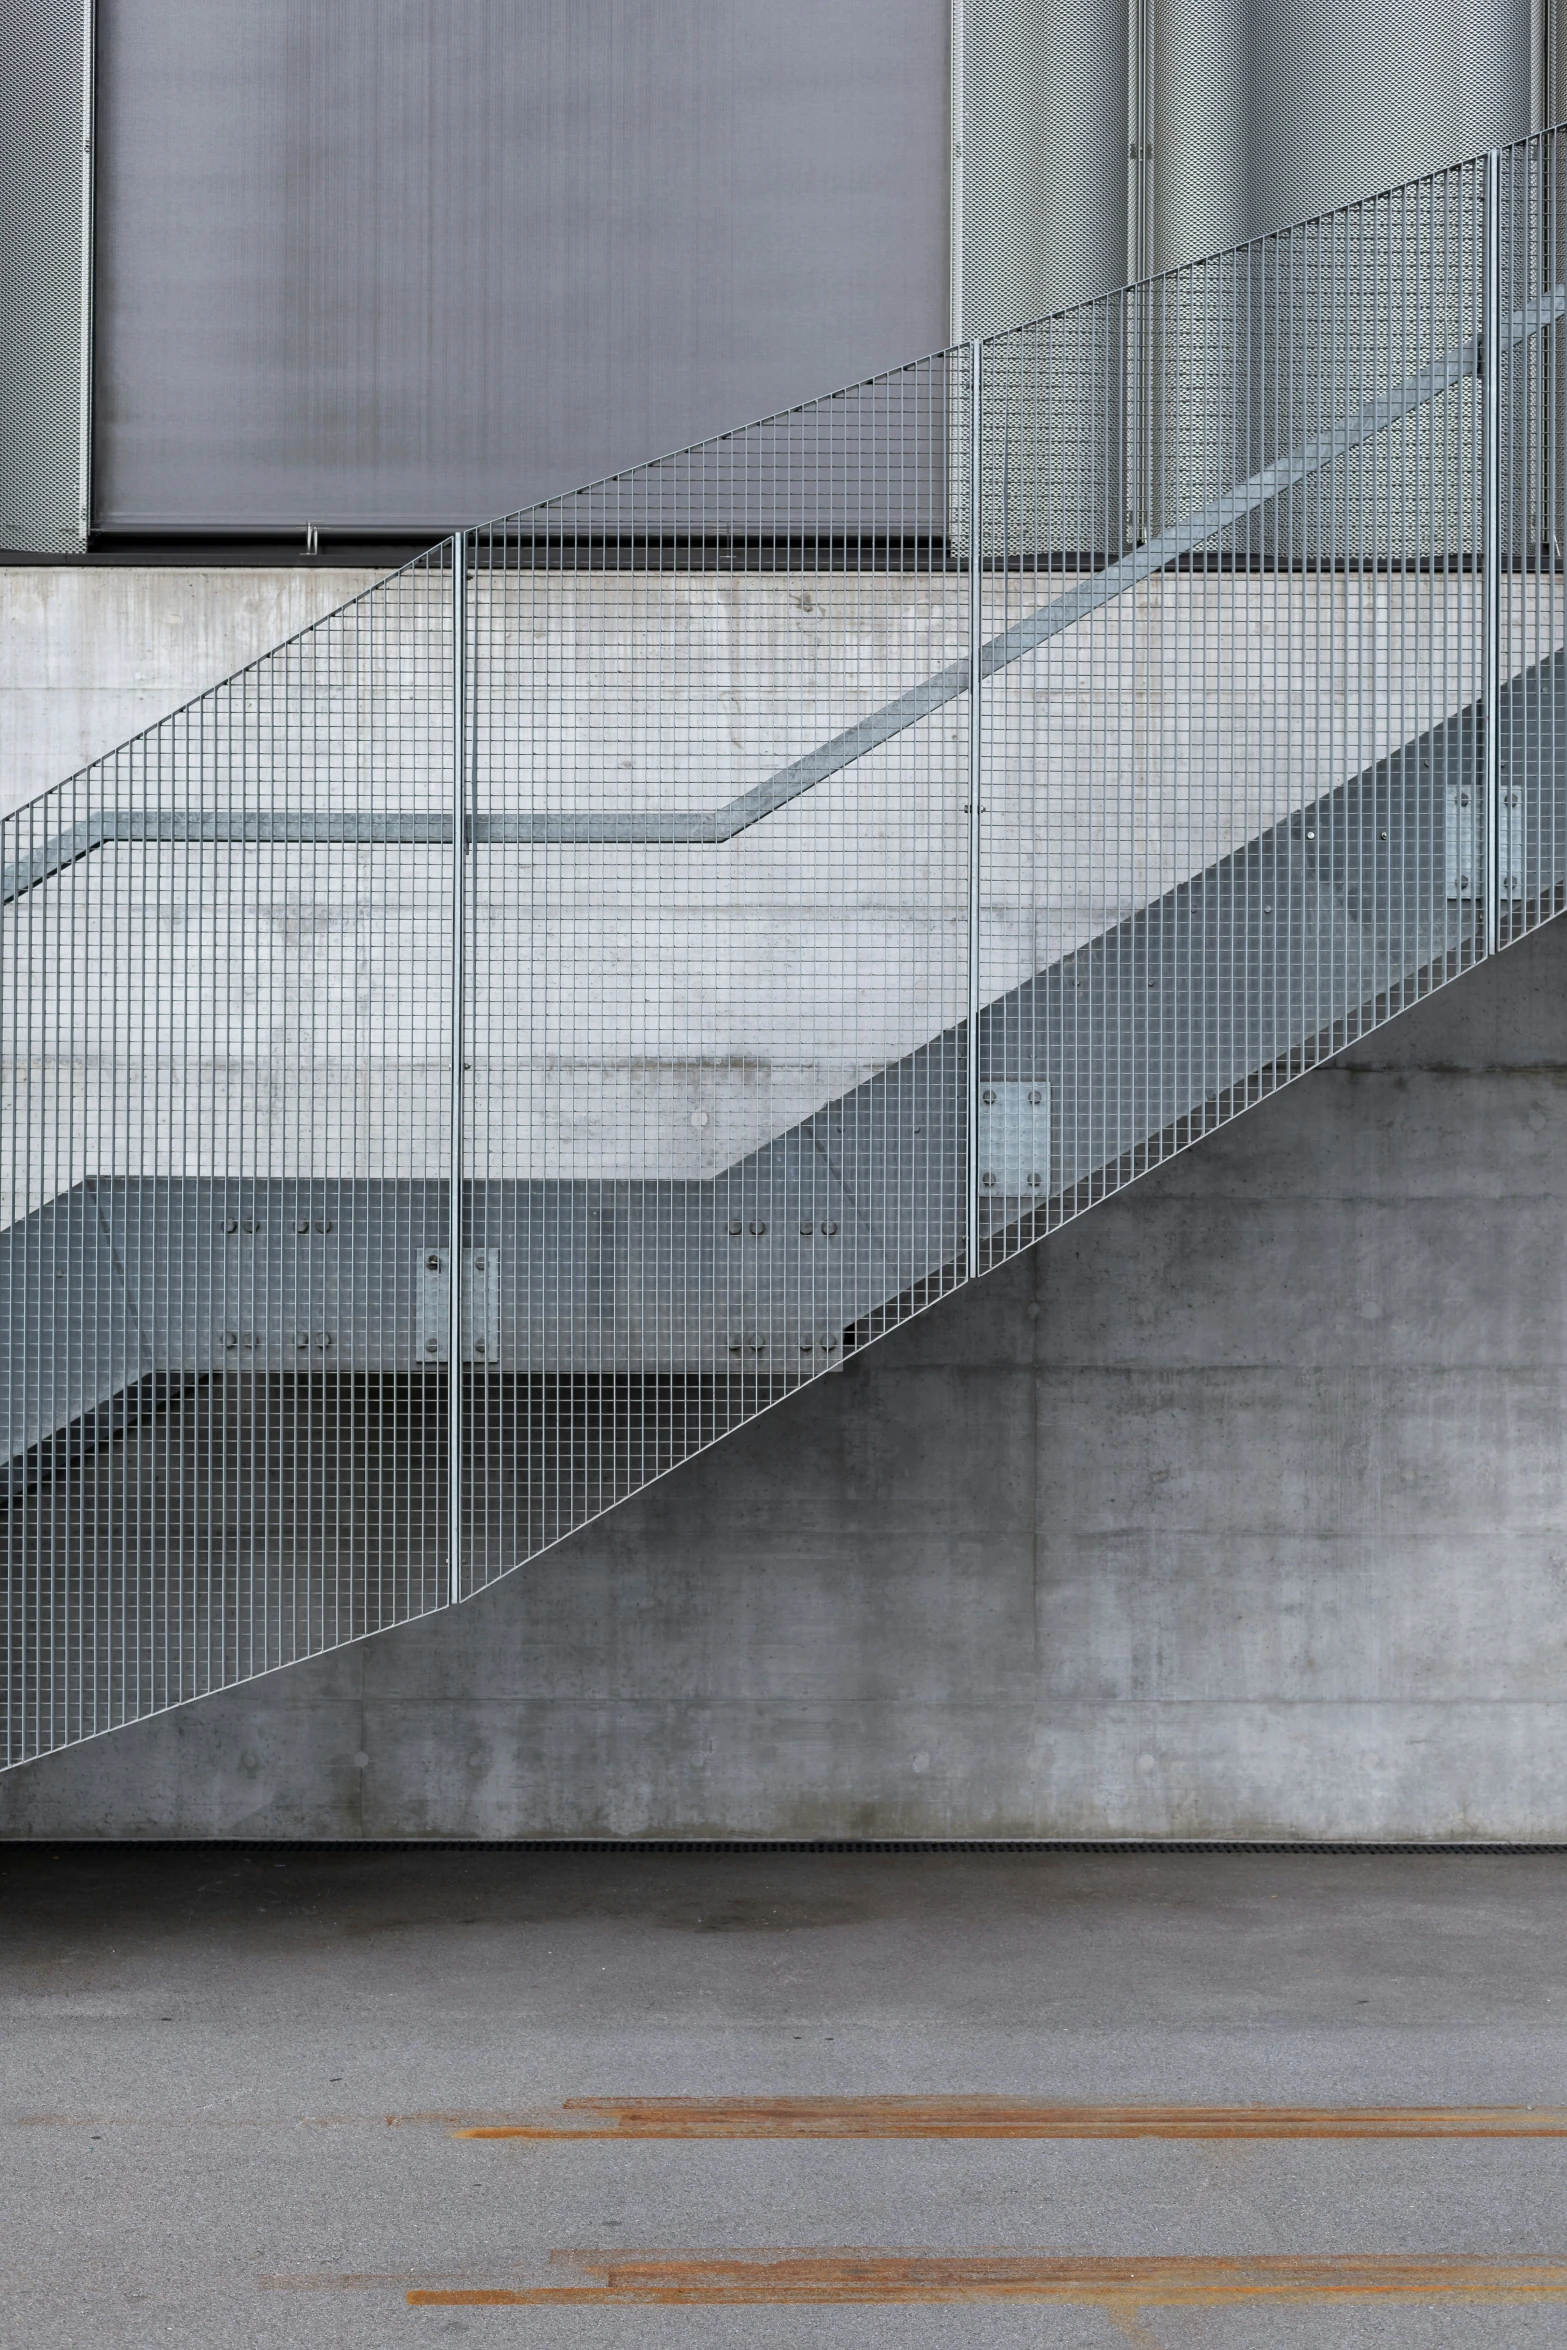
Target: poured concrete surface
(635, 1013)
(202, 2048)
(90, 655)
(1236, 1509)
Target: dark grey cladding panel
(394, 263)
(43, 285)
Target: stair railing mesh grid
(574, 996)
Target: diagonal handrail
(704, 828)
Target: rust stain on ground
(885, 2117)
(1001, 2117)
(1118, 2287)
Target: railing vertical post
(459, 958)
(1490, 543)
(976, 618)
(85, 343)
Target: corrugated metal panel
(1191, 126)
(43, 288)
(390, 264)
(1263, 117)
(1268, 114)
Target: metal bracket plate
(1465, 842)
(1509, 842)
(481, 1306)
(1014, 1139)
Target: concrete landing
(230, 2080)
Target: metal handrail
(707, 828)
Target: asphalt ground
(232, 2080)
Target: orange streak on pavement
(1003, 2117)
(1117, 2286)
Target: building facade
(369, 272)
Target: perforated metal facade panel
(43, 286)
(1105, 140)
(1043, 157)
(362, 269)
(1268, 114)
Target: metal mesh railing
(633, 957)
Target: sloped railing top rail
(1087, 730)
(708, 826)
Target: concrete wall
(735, 989)
(1240, 1509)
(90, 656)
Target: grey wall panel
(43, 284)
(1266, 114)
(391, 264)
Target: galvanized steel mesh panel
(1521, 856)
(42, 274)
(1236, 360)
(719, 939)
(226, 1062)
(1216, 802)
(521, 1031)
